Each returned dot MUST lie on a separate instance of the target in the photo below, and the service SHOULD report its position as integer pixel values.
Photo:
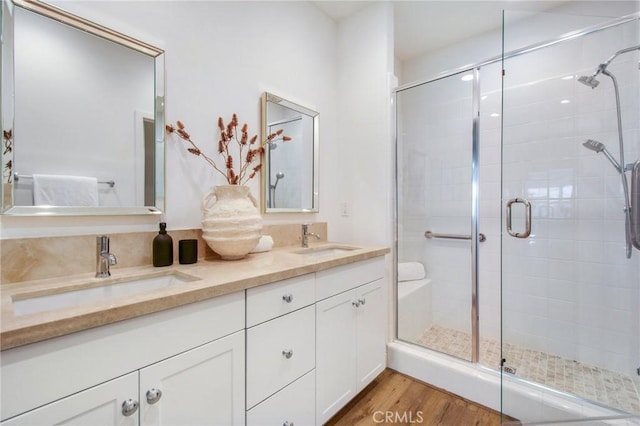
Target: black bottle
(162, 247)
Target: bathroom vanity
(284, 337)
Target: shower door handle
(527, 217)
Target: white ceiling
(425, 25)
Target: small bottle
(162, 247)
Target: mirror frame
(7, 109)
(270, 97)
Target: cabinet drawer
(269, 366)
(294, 404)
(342, 278)
(273, 300)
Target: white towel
(264, 244)
(409, 271)
(59, 190)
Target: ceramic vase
(231, 221)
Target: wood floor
(395, 399)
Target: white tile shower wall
(569, 289)
(490, 205)
(435, 174)
(572, 292)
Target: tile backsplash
(25, 259)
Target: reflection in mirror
(290, 170)
(86, 116)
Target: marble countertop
(212, 278)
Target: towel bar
(429, 235)
(17, 177)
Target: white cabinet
(335, 354)
(291, 352)
(100, 405)
(204, 386)
(278, 352)
(370, 333)
(273, 300)
(293, 405)
(281, 349)
(350, 346)
(194, 354)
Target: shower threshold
(593, 383)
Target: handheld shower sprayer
(590, 81)
(272, 189)
(599, 147)
(279, 175)
(631, 233)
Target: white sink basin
(96, 291)
(325, 250)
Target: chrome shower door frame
(475, 237)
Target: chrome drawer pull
(288, 353)
(288, 298)
(129, 407)
(154, 395)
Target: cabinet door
(99, 405)
(370, 331)
(335, 354)
(203, 386)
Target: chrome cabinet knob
(129, 407)
(356, 303)
(153, 395)
(287, 423)
(288, 298)
(287, 353)
(362, 301)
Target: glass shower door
(434, 128)
(570, 295)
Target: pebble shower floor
(597, 384)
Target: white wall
(360, 180)
(220, 57)
(570, 290)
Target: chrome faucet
(104, 258)
(306, 234)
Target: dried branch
(229, 132)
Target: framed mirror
(289, 169)
(82, 116)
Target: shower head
(279, 175)
(594, 145)
(599, 147)
(590, 81)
